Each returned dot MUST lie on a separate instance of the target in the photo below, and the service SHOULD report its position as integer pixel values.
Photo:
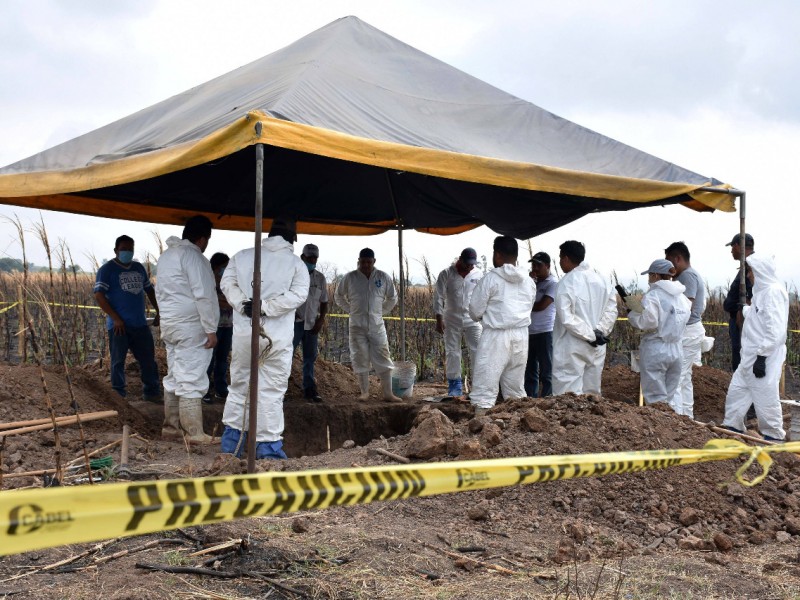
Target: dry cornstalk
(49, 404)
(98, 450)
(393, 456)
(17, 424)
(126, 552)
(55, 422)
(66, 561)
(222, 546)
(481, 563)
(743, 436)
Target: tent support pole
(255, 322)
(742, 195)
(402, 296)
(742, 273)
(399, 224)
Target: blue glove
(760, 367)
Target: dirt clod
(535, 420)
(429, 438)
(722, 542)
(301, 524)
(688, 516)
(479, 512)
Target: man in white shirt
(586, 310)
(187, 297)
(367, 294)
(308, 321)
(454, 288)
(502, 302)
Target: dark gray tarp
(362, 132)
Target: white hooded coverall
(451, 300)
(763, 334)
(502, 301)
(367, 299)
(665, 311)
(187, 300)
(584, 301)
(284, 287)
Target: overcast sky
(709, 85)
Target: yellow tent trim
(48, 189)
(476, 169)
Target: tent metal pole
(399, 224)
(742, 195)
(402, 296)
(255, 322)
(742, 246)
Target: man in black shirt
(731, 304)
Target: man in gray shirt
(678, 254)
(539, 369)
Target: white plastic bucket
(403, 377)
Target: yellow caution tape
(335, 315)
(44, 518)
(61, 304)
(343, 316)
(12, 305)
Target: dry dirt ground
(684, 532)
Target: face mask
(220, 271)
(125, 256)
(310, 266)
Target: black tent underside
(318, 189)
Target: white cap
(311, 250)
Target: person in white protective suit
(284, 287)
(757, 378)
(187, 296)
(678, 254)
(586, 310)
(665, 311)
(367, 294)
(502, 302)
(454, 288)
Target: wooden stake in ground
(124, 471)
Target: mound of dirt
(677, 529)
(710, 388)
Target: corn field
(60, 304)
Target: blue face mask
(220, 271)
(125, 256)
(310, 266)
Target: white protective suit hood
(673, 288)
(511, 273)
(186, 290)
(764, 271)
(503, 299)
